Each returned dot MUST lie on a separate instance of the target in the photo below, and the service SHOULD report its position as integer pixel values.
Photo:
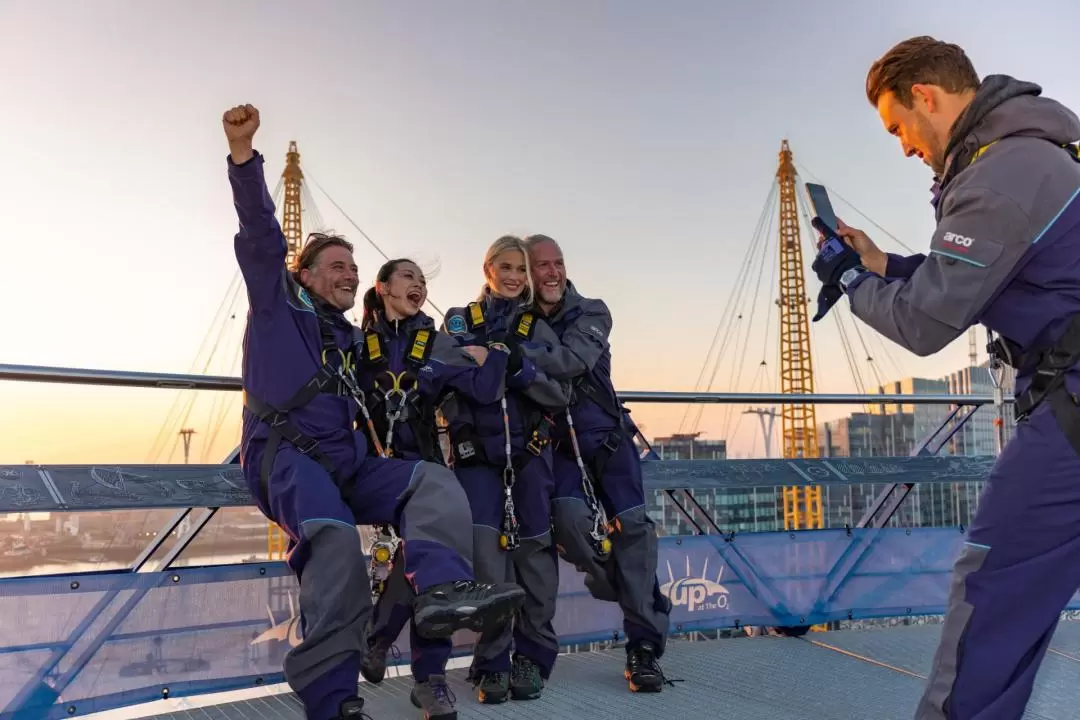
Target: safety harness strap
(1048, 383)
(422, 424)
(468, 448)
(599, 459)
(326, 381)
(584, 386)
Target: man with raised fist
(310, 471)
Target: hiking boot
(525, 679)
(444, 609)
(373, 663)
(492, 687)
(435, 698)
(352, 709)
(642, 670)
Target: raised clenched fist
(240, 123)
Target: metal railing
(177, 381)
(877, 515)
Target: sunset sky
(643, 136)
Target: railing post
(889, 500)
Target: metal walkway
(846, 675)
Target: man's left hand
(478, 352)
(833, 259)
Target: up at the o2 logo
(696, 593)
(958, 240)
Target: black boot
(642, 670)
(353, 709)
(373, 664)
(444, 609)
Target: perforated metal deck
(843, 675)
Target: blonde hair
(497, 248)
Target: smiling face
(404, 292)
(507, 274)
(548, 273)
(332, 276)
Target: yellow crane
(292, 212)
(802, 506)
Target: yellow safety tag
(374, 347)
(525, 324)
(476, 314)
(419, 346)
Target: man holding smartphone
(1006, 254)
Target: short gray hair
(534, 240)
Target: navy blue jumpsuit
(401, 398)
(478, 440)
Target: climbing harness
(383, 548)
(401, 388)
(329, 380)
(997, 372)
(1049, 366)
(398, 394)
(599, 533)
(352, 388)
(398, 391)
(592, 471)
(385, 543)
(510, 538)
(467, 448)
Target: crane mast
(292, 228)
(802, 506)
(291, 212)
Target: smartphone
(823, 210)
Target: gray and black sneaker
(492, 688)
(526, 683)
(435, 698)
(444, 609)
(373, 663)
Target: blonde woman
(502, 457)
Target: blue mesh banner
(71, 645)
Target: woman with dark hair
(405, 369)
(503, 458)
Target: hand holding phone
(824, 220)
